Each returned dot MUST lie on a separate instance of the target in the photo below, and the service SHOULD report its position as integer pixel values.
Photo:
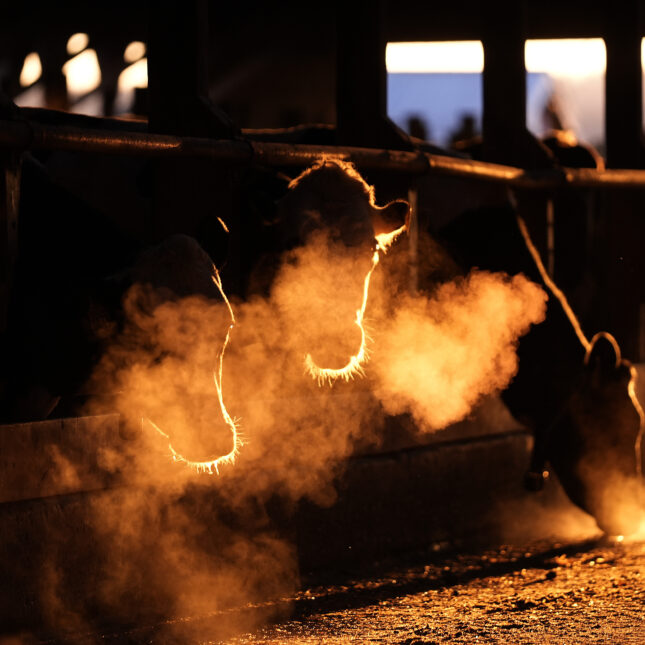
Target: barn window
(565, 87)
(133, 77)
(33, 93)
(32, 70)
(435, 88)
(77, 43)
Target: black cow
(576, 399)
(73, 269)
(331, 197)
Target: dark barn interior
(240, 99)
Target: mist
(438, 356)
(173, 542)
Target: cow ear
(603, 356)
(391, 216)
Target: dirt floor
(572, 591)
(580, 587)
(591, 591)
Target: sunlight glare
(569, 57)
(559, 57)
(135, 75)
(439, 57)
(77, 43)
(134, 51)
(132, 77)
(32, 70)
(83, 73)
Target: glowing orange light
(631, 390)
(354, 367)
(212, 466)
(385, 240)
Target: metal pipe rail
(25, 135)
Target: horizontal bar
(614, 178)
(38, 136)
(25, 135)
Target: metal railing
(29, 135)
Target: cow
(73, 270)
(331, 197)
(330, 230)
(576, 395)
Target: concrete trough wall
(402, 499)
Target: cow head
(596, 450)
(330, 220)
(332, 196)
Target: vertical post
(622, 232)
(361, 77)
(9, 202)
(110, 52)
(189, 194)
(504, 85)
(623, 87)
(53, 78)
(178, 71)
(505, 137)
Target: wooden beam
(624, 87)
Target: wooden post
(178, 71)
(623, 87)
(504, 85)
(506, 139)
(9, 202)
(361, 78)
(189, 195)
(621, 235)
(53, 78)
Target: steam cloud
(433, 356)
(438, 356)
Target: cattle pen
(62, 470)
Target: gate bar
(29, 135)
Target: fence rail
(25, 135)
